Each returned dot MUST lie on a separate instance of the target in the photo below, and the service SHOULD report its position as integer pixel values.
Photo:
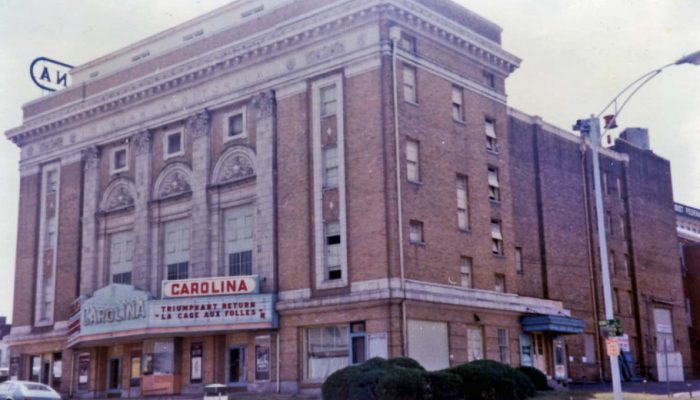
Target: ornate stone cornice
(264, 103)
(199, 124)
(142, 142)
(275, 40)
(91, 157)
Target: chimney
(636, 136)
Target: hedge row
(405, 379)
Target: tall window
(326, 351)
(611, 263)
(500, 283)
(240, 240)
(176, 254)
(606, 188)
(330, 167)
(475, 343)
(328, 100)
(173, 144)
(409, 84)
(51, 181)
(120, 159)
(332, 251)
(626, 266)
(618, 183)
(589, 348)
(235, 125)
(503, 348)
(494, 185)
(491, 140)
(466, 272)
(462, 202)
(622, 228)
(519, 260)
(496, 238)
(490, 79)
(457, 101)
(609, 221)
(415, 232)
(412, 161)
(121, 252)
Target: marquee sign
(121, 308)
(217, 286)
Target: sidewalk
(678, 389)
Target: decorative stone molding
(237, 163)
(142, 142)
(173, 181)
(91, 157)
(199, 124)
(118, 195)
(264, 103)
(325, 52)
(249, 50)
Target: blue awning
(551, 323)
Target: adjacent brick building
(688, 229)
(277, 189)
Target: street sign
(624, 342)
(612, 326)
(612, 347)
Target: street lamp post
(591, 127)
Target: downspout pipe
(395, 36)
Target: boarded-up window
(664, 329)
(475, 343)
(428, 344)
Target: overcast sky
(577, 54)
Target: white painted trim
(113, 153)
(385, 289)
(166, 138)
(39, 295)
(241, 110)
(319, 234)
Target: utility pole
(591, 128)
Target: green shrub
(401, 383)
(477, 384)
(444, 385)
(508, 383)
(406, 362)
(337, 384)
(375, 363)
(365, 385)
(536, 377)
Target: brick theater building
(277, 189)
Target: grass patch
(579, 395)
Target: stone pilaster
(199, 128)
(91, 178)
(141, 266)
(265, 139)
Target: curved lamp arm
(693, 58)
